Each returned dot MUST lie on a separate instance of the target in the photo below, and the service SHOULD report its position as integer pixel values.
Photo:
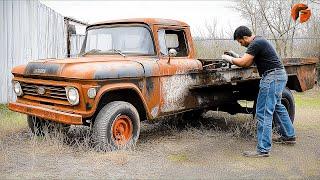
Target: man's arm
(245, 61)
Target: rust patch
(46, 113)
(175, 89)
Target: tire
(116, 126)
(40, 127)
(288, 101)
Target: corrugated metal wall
(76, 41)
(28, 31)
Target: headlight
(72, 95)
(92, 92)
(17, 88)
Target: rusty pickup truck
(134, 70)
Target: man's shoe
(284, 140)
(255, 154)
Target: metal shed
(29, 30)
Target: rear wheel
(288, 101)
(116, 126)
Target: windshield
(116, 40)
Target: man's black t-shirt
(265, 55)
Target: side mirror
(172, 53)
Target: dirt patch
(210, 150)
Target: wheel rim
(122, 129)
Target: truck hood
(92, 67)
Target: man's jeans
(268, 103)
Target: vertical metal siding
(28, 31)
(76, 44)
(2, 43)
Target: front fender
(119, 86)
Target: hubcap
(122, 129)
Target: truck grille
(46, 91)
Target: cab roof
(148, 21)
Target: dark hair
(241, 31)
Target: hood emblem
(41, 90)
(39, 71)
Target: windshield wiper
(90, 52)
(118, 51)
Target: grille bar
(48, 91)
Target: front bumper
(46, 113)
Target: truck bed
(217, 72)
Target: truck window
(172, 39)
(162, 42)
(128, 40)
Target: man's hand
(227, 58)
(232, 53)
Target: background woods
(272, 20)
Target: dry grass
(208, 149)
(240, 125)
(11, 122)
(309, 98)
(13, 125)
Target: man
(272, 83)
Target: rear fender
(302, 78)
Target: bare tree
(208, 31)
(249, 10)
(271, 19)
(211, 28)
(210, 42)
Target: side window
(173, 39)
(162, 42)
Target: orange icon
(300, 11)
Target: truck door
(178, 73)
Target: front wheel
(116, 126)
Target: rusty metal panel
(29, 31)
(175, 92)
(58, 116)
(304, 69)
(149, 21)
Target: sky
(198, 14)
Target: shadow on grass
(241, 126)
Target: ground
(212, 150)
